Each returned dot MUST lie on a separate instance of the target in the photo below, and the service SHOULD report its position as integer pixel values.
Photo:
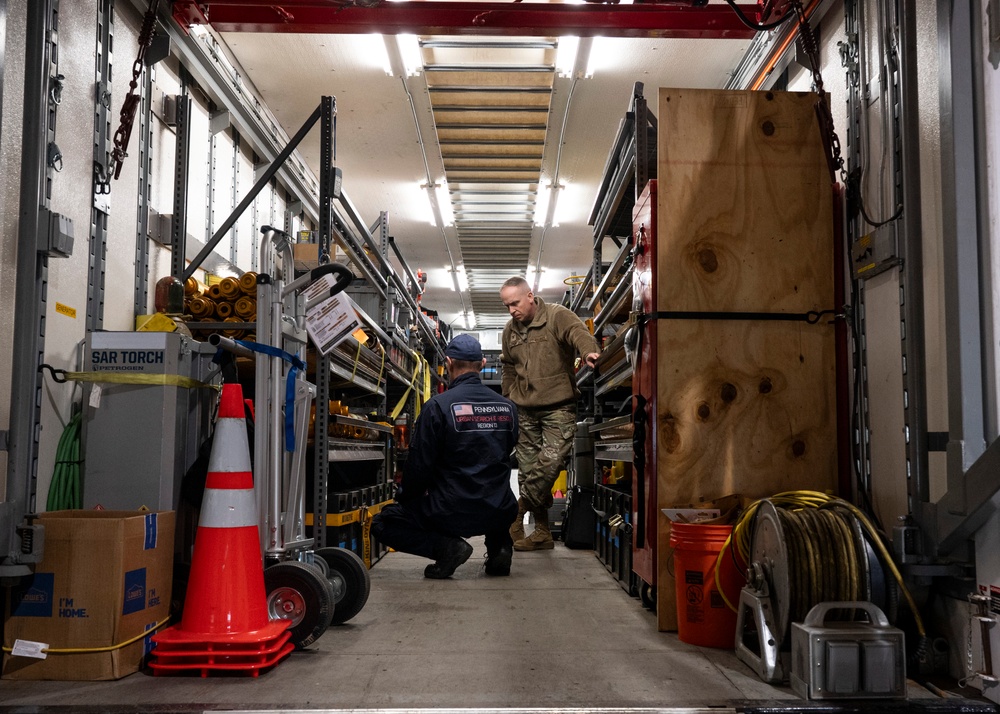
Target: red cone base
(180, 651)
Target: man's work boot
(541, 537)
(451, 553)
(498, 563)
(517, 528)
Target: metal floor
(559, 633)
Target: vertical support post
(911, 274)
(141, 288)
(210, 188)
(40, 65)
(963, 308)
(860, 429)
(235, 197)
(182, 162)
(3, 50)
(101, 207)
(641, 141)
(321, 464)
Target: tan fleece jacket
(538, 358)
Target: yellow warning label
(66, 310)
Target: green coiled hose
(64, 491)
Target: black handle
(344, 276)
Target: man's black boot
(498, 563)
(450, 553)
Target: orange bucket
(703, 618)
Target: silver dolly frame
(312, 588)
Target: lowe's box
(104, 580)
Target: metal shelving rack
(607, 294)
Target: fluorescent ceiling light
(459, 278)
(545, 205)
(381, 53)
(470, 320)
(574, 204)
(533, 278)
(566, 55)
(409, 49)
(425, 206)
(542, 204)
(552, 218)
(602, 55)
(444, 204)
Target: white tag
(27, 648)
(331, 322)
(95, 396)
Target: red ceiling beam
(436, 17)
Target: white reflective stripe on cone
(228, 508)
(230, 450)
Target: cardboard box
(306, 255)
(105, 578)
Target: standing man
(540, 344)
(456, 481)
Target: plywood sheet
(744, 225)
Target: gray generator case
(847, 660)
(140, 439)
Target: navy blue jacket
(460, 456)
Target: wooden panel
(745, 217)
(745, 224)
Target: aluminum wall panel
(72, 196)
(161, 199)
(123, 219)
(198, 201)
(246, 240)
(222, 189)
(10, 181)
(935, 348)
(885, 406)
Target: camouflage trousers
(544, 441)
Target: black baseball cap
(464, 347)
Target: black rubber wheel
(647, 593)
(299, 592)
(350, 581)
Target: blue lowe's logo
(135, 591)
(34, 598)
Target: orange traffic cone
(225, 625)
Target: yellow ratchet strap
(402, 400)
(109, 648)
(367, 513)
(163, 380)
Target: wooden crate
(745, 224)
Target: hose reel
(798, 559)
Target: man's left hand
(591, 359)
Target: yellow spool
(246, 307)
(248, 283)
(234, 333)
(200, 307)
(230, 288)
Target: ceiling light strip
(476, 44)
(490, 89)
(492, 68)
